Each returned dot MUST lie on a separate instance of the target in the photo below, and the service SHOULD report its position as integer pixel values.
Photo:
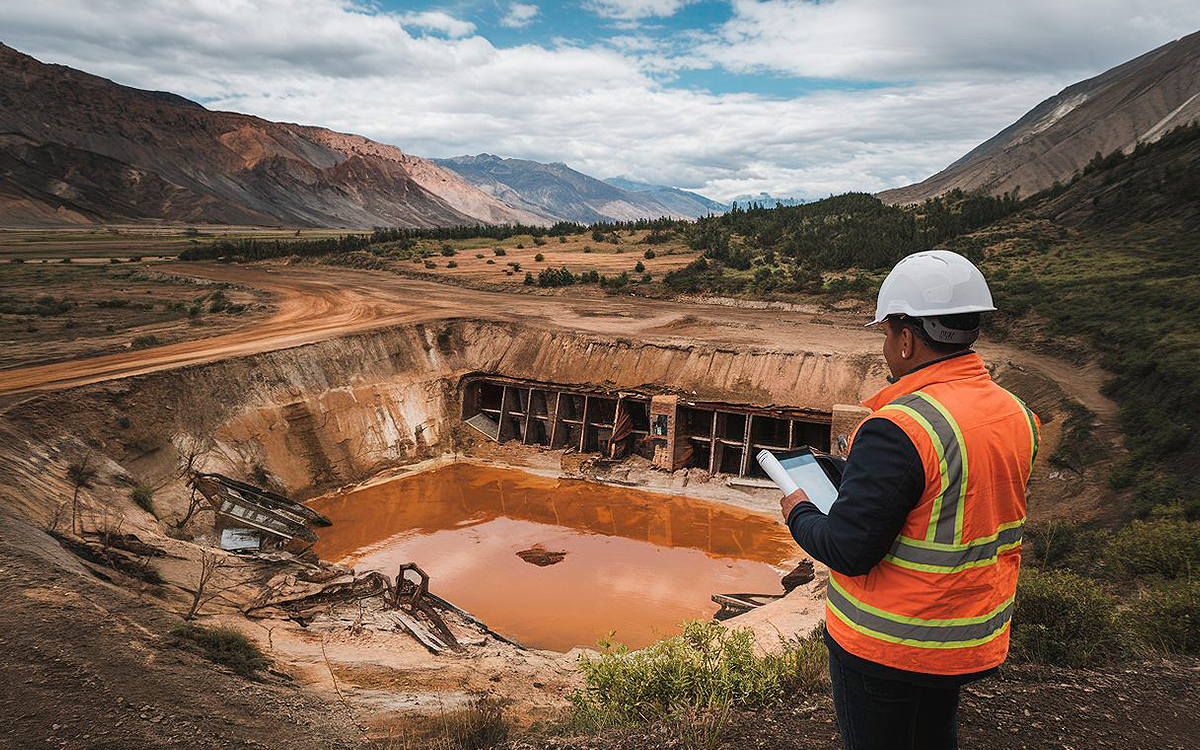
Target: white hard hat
(932, 283)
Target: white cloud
(946, 39)
(519, 15)
(436, 20)
(603, 108)
(630, 10)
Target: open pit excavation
(560, 468)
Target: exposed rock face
(1136, 101)
(79, 148)
(557, 192)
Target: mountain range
(77, 148)
(1136, 101)
(556, 192)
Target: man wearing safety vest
(924, 541)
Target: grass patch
(1064, 619)
(143, 497)
(224, 646)
(1166, 619)
(1163, 547)
(705, 668)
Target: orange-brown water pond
(636, 563)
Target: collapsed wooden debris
(284, 522)
(401, 603)
(733, 605)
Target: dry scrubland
(59, 311)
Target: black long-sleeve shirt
(882, 481)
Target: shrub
(479, 725)
(141, 342)
(1167, 618)
(520, 246)
(539, 258)
(647, 278)
(562, 239)
(640, 267)
(555, 277)
(430, 264)
(448, 252)
(591, 276)
(587, 248)
(451, 264)
(529, 281)
(706, 666)
(499, 251)
(515, 266)
(539, 241)
(1167, 547)
(478, 255)
(1063, 619)
(648, 255)
(218, 303)
(224, 646)
(143, 497)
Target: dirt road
(316, 303)
(320, 302)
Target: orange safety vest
(940, 601)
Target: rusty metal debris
(408, 602)
(283, 520)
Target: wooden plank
(587, 402)
(503, 414)
(554, 420)
(713, 446)
(528, 412)
(746, 446)
(420, 632)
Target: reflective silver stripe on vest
(904, 551)
(951, 454)
(914, 629)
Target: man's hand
(788, 504)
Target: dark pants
(877, 713)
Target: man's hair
(959, 322)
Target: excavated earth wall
(338, 411)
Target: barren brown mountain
(77, 148)
(1136, 101)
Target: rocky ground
(1143, 705)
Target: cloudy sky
(793, 97)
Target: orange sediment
(636, 563)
